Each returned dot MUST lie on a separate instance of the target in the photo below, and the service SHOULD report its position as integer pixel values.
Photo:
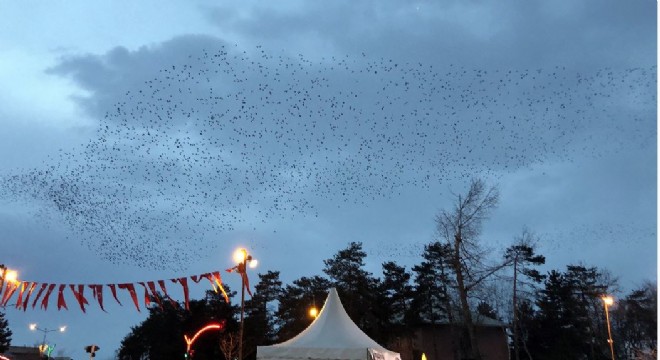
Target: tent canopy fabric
(332, 335)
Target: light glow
(33, 327)
(191, 341)
(63, 328)
(608, 300)
(240, 255)
(253, 263)
(11, 276)
(313, 312)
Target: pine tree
(522, 256)
(5, 333)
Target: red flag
(79, 296)
(60, 298)
(27, 296)
(154, 293)
(43, 287)
(218, 281)
(196, 278)
(147, 300)
(44, 301)
(114, 292)
(9, 291)
(246, 282)
(131, 289)
(19, 301)
(97, 293)
(2, 279)
(184, 284)
(162, 287)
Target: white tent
(332, 335)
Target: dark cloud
(219, 136)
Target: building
(26, 353)
(438, 341)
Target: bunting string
(152, 292)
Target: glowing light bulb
(240, 255)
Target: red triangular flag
(147, 300)
(97, 293)
(162, 287)
(60, 298)
(131, 289)
(19, 301)
(43, 287)
(152, 287)
(79, 296)
(27, 296)
(184, 284)
(246, 282)
(114, 292)
(44, 301)
(218, 282)
(9, 291)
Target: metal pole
(240, 334)
(609, 330)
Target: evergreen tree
(432, 300)
(5, 333)
(635, 323)
(294, 303)
(522, 257)
(260, 315)
(160, 335)
(356, 286)
(392, 306)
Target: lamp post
(34, 327)
(243, 259)
(608, 301)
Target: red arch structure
(191, 341)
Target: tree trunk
(473, 350)
(515, 310)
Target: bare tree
(229, 345)
(461, 228)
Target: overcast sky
(146, 141)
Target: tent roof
(332, 328)
(331, 336)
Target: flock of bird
(227, 138)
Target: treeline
(554, 315)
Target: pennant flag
(246, 282)
(60, 298)
(79, 296)
(152, 287)
(216, 283)
(162, 287)
(131, 289)
(43, 287)
(26, 302)
(9, 291)
(19, 301)
(2, 279)
(97, 293)
(184, 284)
(147, 299)
(114, 292)
(44, 301)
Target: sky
(148, 140)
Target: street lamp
(8, 274)
(243, 260)
(608, 301)
(313, 312)
(34, 327)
